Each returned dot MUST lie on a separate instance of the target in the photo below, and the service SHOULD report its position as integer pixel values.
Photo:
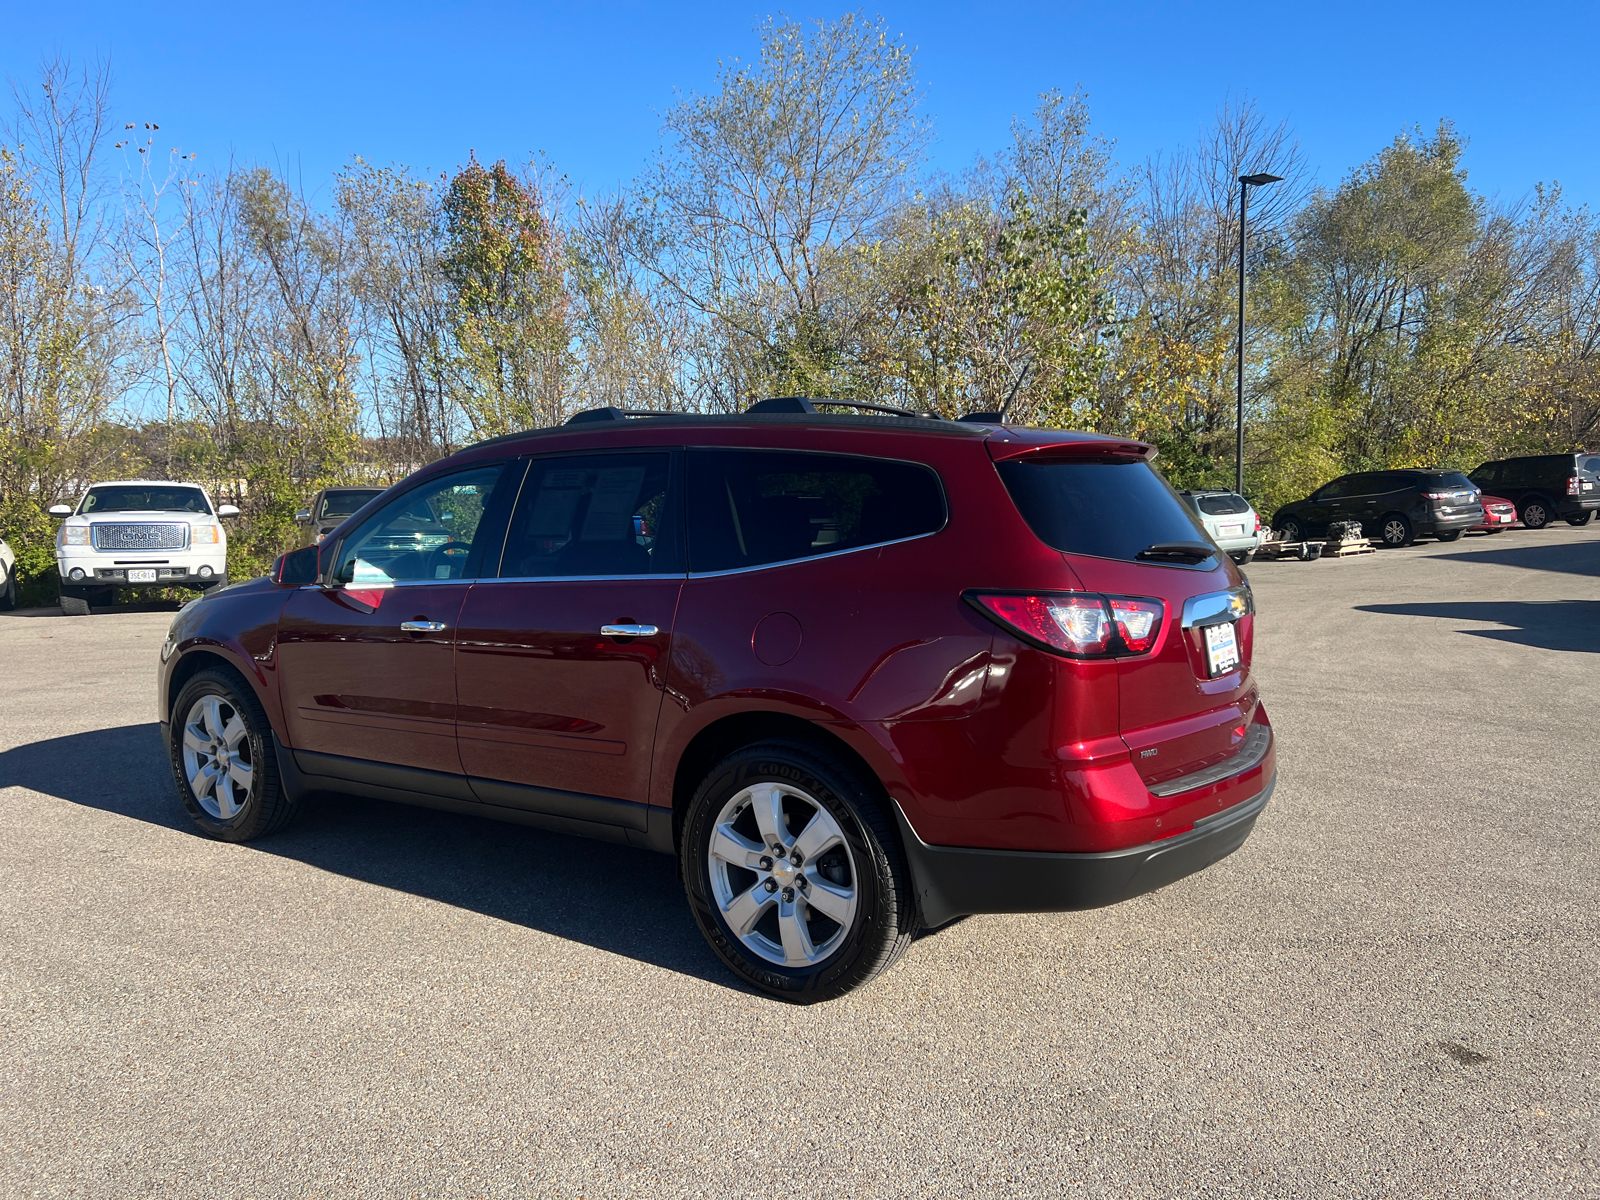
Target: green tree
(505, 261)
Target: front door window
(426, 534)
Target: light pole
(1246, 182)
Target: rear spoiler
(1092, 449)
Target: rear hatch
(1185, 703)
(1451, 495)
(1225, 515)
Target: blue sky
(307, 85)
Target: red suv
(861, 674)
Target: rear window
(751, 507)
(1589, 464)
(1222, 506)
(144, 498)
(1449, 481)
(1108, 510)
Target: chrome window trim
(788, 562)
(1217, 608)
(570, 578)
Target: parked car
(1499, 514)
(1229, 520)
(330, 506)
(8, 577)
(1545, 486)
(860, 674)
(139, 533)
(1394, 506)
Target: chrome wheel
(782, 875)
(216, 756)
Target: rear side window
(751, 507)
(1108, 510)
(1222, 506)
(593, 515)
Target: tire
(74, 603)
(1581, 519)
(8, 593)
(1291, 529)
(217, 721)
(787, 792)
(1449, 536)
(1535, 514)
(1395, 531)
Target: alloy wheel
(782, 875)
(216, 756)
(1394, 532)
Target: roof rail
(806, 404)
(612, 413)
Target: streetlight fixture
(1246, 182)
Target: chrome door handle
(628, 631)
(421, 626)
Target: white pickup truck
(139, 533)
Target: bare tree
(769, 183)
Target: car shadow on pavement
(616, 898)
(1572, 625)
(1582, 558)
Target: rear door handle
(628, 631)
(421, 626)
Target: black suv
(1395, 506)
(330, 506)
(1545, 486)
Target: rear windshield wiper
(1191, 552)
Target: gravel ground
(1391, 990)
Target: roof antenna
(1006, 407)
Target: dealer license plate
(1230, 530)
(144, 575)
(1222, 649)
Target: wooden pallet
(1296, 551)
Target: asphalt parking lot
(1393, 989)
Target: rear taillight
(1574, 486)
(1077, 624)
(1258, 522)
(1138, 621)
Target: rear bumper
(953, 881)
(1433, 523)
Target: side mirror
(227, 510)
(302, 516)
(60, 510)
(298, 568)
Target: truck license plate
(1222, 649)
(144, 575)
